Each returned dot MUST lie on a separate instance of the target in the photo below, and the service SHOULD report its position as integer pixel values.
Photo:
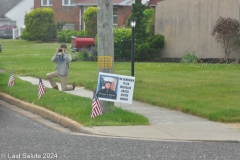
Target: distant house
(153, 3)
(187, 26)
(72, 11)
(12, 12)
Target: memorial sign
(115, 88)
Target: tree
(90, 19)
(40, 24)
(140, 29)
(148, 20)
(225, 31)
(150, 26)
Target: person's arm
(67, 57)
(55, 57)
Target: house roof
(115, 2)
(6, 5)
(153, 2)
(95, 1)
(4, 19)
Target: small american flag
(11, 79)
(41, 89)
(96, 107)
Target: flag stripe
(96, 107)
(41, 89)
(96, 110)
(11, 80)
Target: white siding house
(130, 2)
(4, 21)
(18, 12)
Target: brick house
(72, 11)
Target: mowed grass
(210, 91)
(34, 59)
(74, 107)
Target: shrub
(156, 43)
(80, 56)
(149, 50)
(65, 35)
(90, 19)
(225, 31)
(150, 26)
(189, 58)
(122, 43)
(52, 33)
(40, 24)
(143, 52)
(88, 54)
(84, 54)
(93, 53)
(59, 25)
(27, 36)
(68, 35)
(61, 36)
(149, 21)
(145, 28)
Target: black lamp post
(133, 24)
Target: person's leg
(64, 85)
(50, 77)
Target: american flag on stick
(11, 79)
(41, 89)
(96, 107)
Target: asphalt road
(23, 138)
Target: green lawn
(211, 91)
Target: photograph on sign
(107, 87)
(115, 88)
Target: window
(67, 2)
(13, 23)
(68, 26)
(115, 16)
(46, 2)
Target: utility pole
(105, 43)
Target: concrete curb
(45, 113)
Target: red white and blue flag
(11, 79)
(41, 89)
(96, 107)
